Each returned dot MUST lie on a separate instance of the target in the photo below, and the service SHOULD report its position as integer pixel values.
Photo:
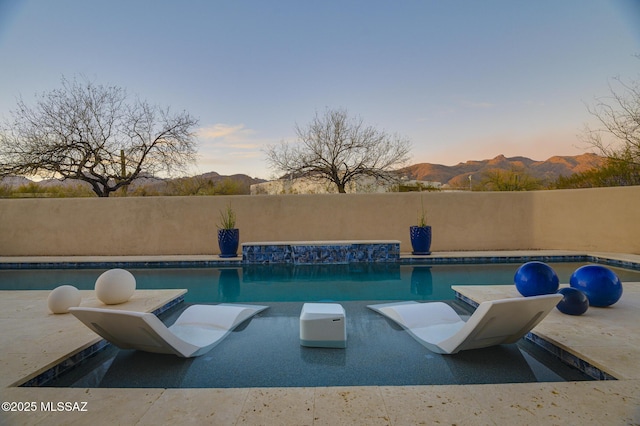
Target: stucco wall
(590, 219)
(603, 219)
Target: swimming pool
(289, 283)
(266, 352)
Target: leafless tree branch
(618, 137)
(93, 133)
(340, 149)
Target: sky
(461, 79)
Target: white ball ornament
(62, 298)
(115, 286)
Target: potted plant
(421, 234)
(228, 234)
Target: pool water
(266, 352)
(288, 283)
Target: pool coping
(79, 356)
(623, 260)
(547, 344)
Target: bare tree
(618, 138)
(93, 133)
(339, 149)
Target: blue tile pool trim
(569, 358)
(319, 253)
(434, 260)
(469, 260)
(77, 359)
(563, 355)
(237, 262)
(66, 365)
(134, 264)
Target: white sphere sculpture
(62, 298)
(115, 286)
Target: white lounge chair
(198, 329)
(438, 327)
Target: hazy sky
(463, 80)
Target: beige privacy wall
(604, 219)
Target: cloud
(230, 149)
(226, 136)
(226, 132)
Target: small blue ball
(601, 285)
(574, 301)
(536, 278)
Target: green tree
(612, 173)
(229, 186)
(509, 180)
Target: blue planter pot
(420, 239)
(228, 240)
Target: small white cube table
(323, 325)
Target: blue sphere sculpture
(601, 285)
(574, 301)
(536, 278)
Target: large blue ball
(601, 285)
(574, 301)
(536, 278)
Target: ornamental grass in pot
(228, 234)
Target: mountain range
(242, 182)
(454, 176)
(151, 184)
(547, 170)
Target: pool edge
(560, 353)
(73, 361)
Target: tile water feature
(318, 252)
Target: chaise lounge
(438, 327)
(198, 329)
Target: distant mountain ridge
(549, 169)
(454, 176)
(242, 181)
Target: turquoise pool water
(266, 351)
(288, 283)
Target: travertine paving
(34, 340)
(607, 338)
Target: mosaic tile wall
(321, 253)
